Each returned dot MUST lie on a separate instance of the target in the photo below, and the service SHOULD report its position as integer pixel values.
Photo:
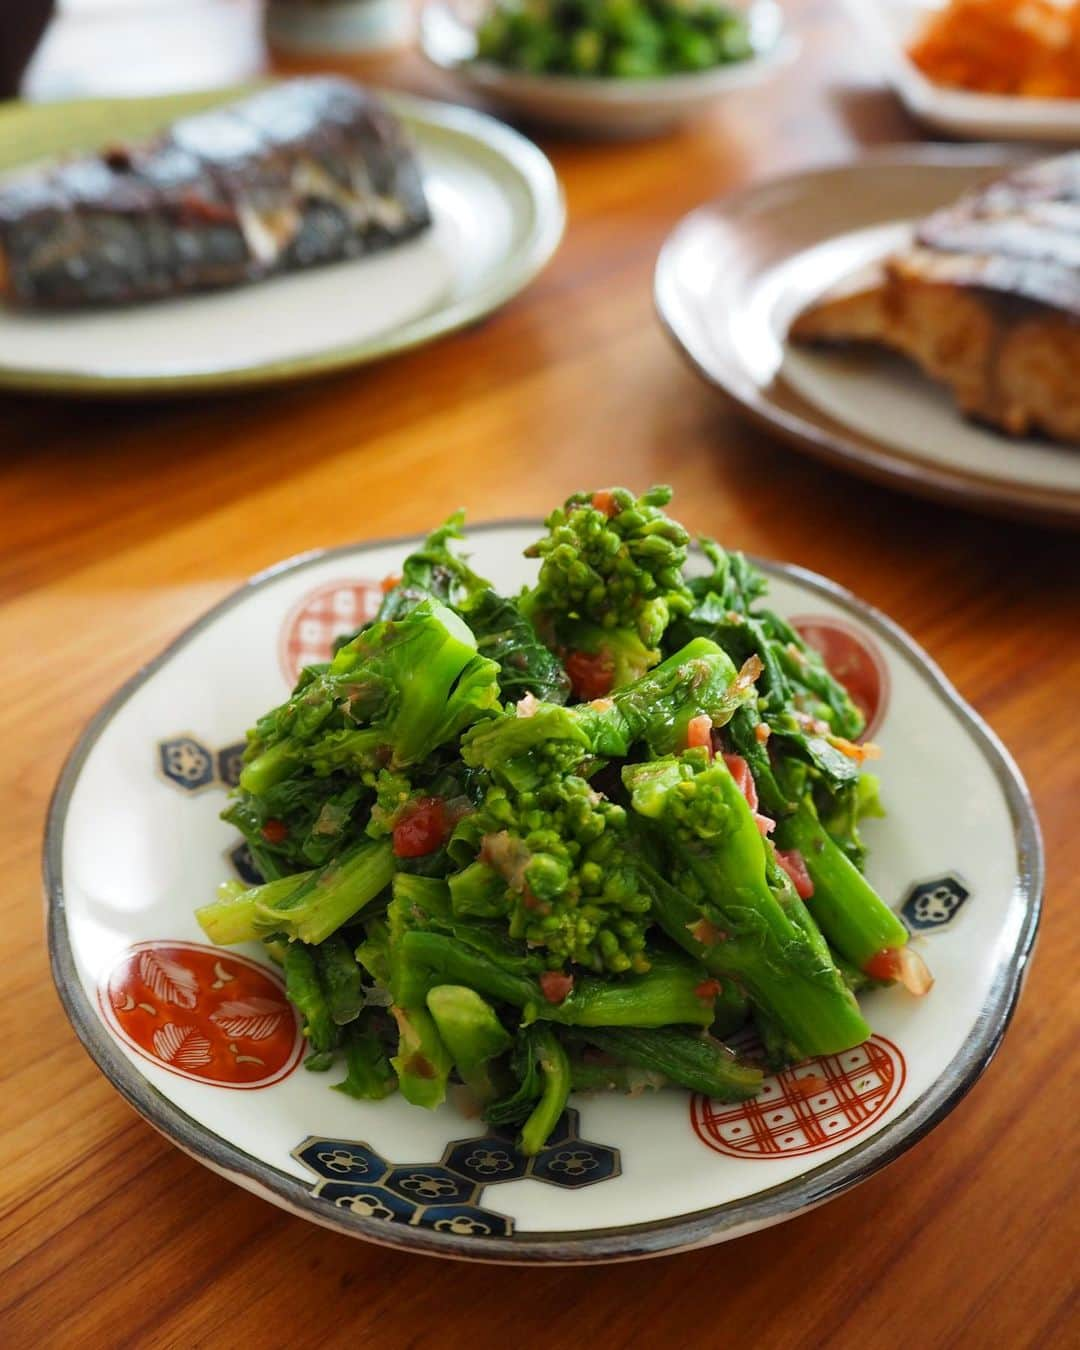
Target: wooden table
(122, 522)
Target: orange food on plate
(1025, 47)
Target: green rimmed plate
(498, 216)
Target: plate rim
(684, 1232)
(547, 206)
(841, 448)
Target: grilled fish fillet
(306, 172)
(986, 300)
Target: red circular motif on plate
(313, 623)
(853, 658)
(202, 1013)
(846, 1094)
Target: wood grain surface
(121, 523)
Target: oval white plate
(610, 107)
(498, 216)
(888, 26)
(734, 273)
(134, 843)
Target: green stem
(269, 768)
(233, 920)
(695, 1062)
(667, 994)
(452, 962)
(472, 1034)
(848, 910)
(810, 1001)
(332, 896)
(305, 992)
(555, 1075)
(422, 1062)
(585, 1077)
(660, 705)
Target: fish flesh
(986, 299)
(303, 173)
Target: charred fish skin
(1017, 237)
(300, 174)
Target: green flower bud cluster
(573, 890)
(359, 753)
(615, 561)
(696, 808)
(522, 751)
(624, 39)
(687, 792)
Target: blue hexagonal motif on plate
(243, 864)
(230, 761)
(933, 904)
(341, 1159)
(371, 1202)
(575, 1163)
(467, 1221)
(186, 762)
(486, 1160)
(446, 1196)
(430, 1185)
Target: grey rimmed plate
(202, 1043)
(497, 213)
(733, 275)
(604, 106)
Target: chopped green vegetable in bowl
(623, 39)
(570, 839)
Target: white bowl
(601, 106)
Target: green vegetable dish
(566, 840)
(628, 39)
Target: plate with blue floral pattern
(201, 1041)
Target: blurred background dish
(612, 39)
(735, 273)
(297, 174)
(485, 184)
(139, 47)
(1024, 48)
(983, 298)
(610, 104)
(326, 27)
(894, 31)
(23, 25)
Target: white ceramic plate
(733, 275)
(498, 216)
(888, 26)
(609, 107)
(200, 1041)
